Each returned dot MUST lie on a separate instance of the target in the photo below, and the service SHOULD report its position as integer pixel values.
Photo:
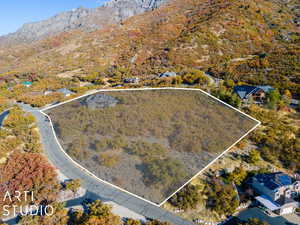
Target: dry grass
(163, 137)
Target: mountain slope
(85, 19)
(251, 40)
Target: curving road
(3, 115)
(98, 189)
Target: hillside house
(132, 80)
(277, 192)
(294, 102)
(257, 94)
(168, 74)
(27, 83)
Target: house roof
(243, 91)
(27, 83)
(267, 202)
(266, 88)
(274, 180)
(294, 101)
(168, 74)
(65, 91)
(131, 80)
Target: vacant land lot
(147, 142)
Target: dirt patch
(69, 74)
(66, 49)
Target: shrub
(132, 222)
(187, 198)
(237, 176)
(109, 159)
(195, 77)
(221, 198)
(168, 172)
(156, 222)
(32, 172)
(117, 142)
(147, 151)
(254, 156)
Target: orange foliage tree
(28, 172)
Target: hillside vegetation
(151, 142)
(22, 166)
(251, 40)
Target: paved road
(121, 211)
(279, 220)
(3, 115)
(99, 189)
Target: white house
(277, 192)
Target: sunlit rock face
(81, 18)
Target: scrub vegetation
(151, 142)
(22, 167)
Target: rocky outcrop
(99, 101)
(112, 12)
(61, 22)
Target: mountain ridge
(85, 19)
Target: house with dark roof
(257, 94)
(132, 80)
(168, 74)
(277, 192)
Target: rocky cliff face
(85, 19)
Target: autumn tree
(286, 98)
(227, 96)
(273, 98)
(22, 127)
(195, 77)
(132, 222)
(29, 220)
(98, 214)
(287, 94)
(157, 222)
(18, 121)
(277, 143)
(32, 141)
(237, 176)
(73, 185)
(222, 198)
(29, 172)
(254, 156)
(186, 198)
(60, 217)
